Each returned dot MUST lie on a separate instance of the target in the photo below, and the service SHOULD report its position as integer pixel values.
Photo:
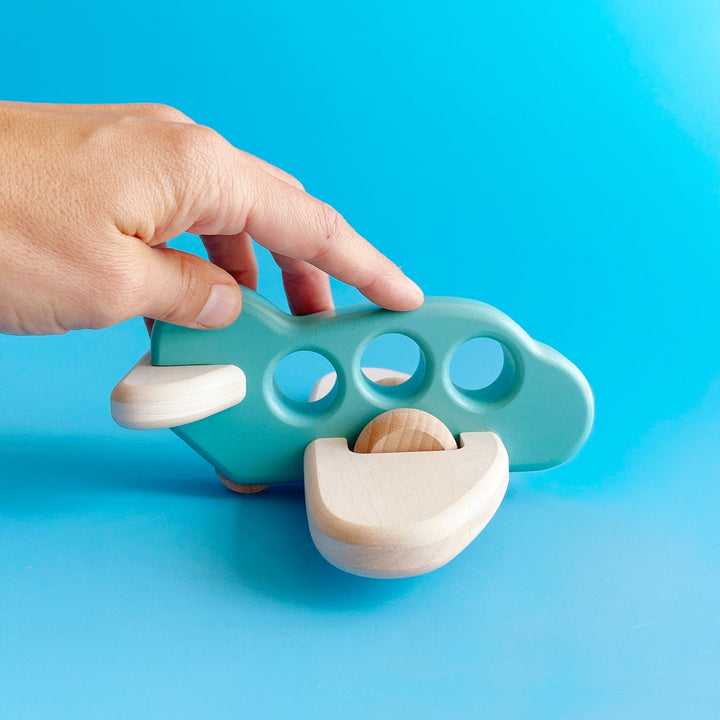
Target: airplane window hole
(297, 374)
(477, 363)
(391, 351)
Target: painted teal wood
(540, 405)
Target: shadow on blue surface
(259, 543)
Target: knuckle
(188, 141)
(197, 148)
(158, 111)
(183, 295)
(331, 236)
(332, 223)
(188, 272)
(196, 165)
(183, 160)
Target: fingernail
(221, 308)
(415, 287)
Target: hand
(90, 194)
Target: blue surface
(557, 160)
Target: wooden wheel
(240, 488)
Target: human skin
(90, 195)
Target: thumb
(184, 289)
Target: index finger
(289, 221)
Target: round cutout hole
(391, 351)
(298, 373)
(477, 363)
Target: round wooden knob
(404, 430)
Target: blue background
(558, 160)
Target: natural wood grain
(402, 513)
(151, 397)
(240, 488)
(404, 430)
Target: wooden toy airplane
(407, 497)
